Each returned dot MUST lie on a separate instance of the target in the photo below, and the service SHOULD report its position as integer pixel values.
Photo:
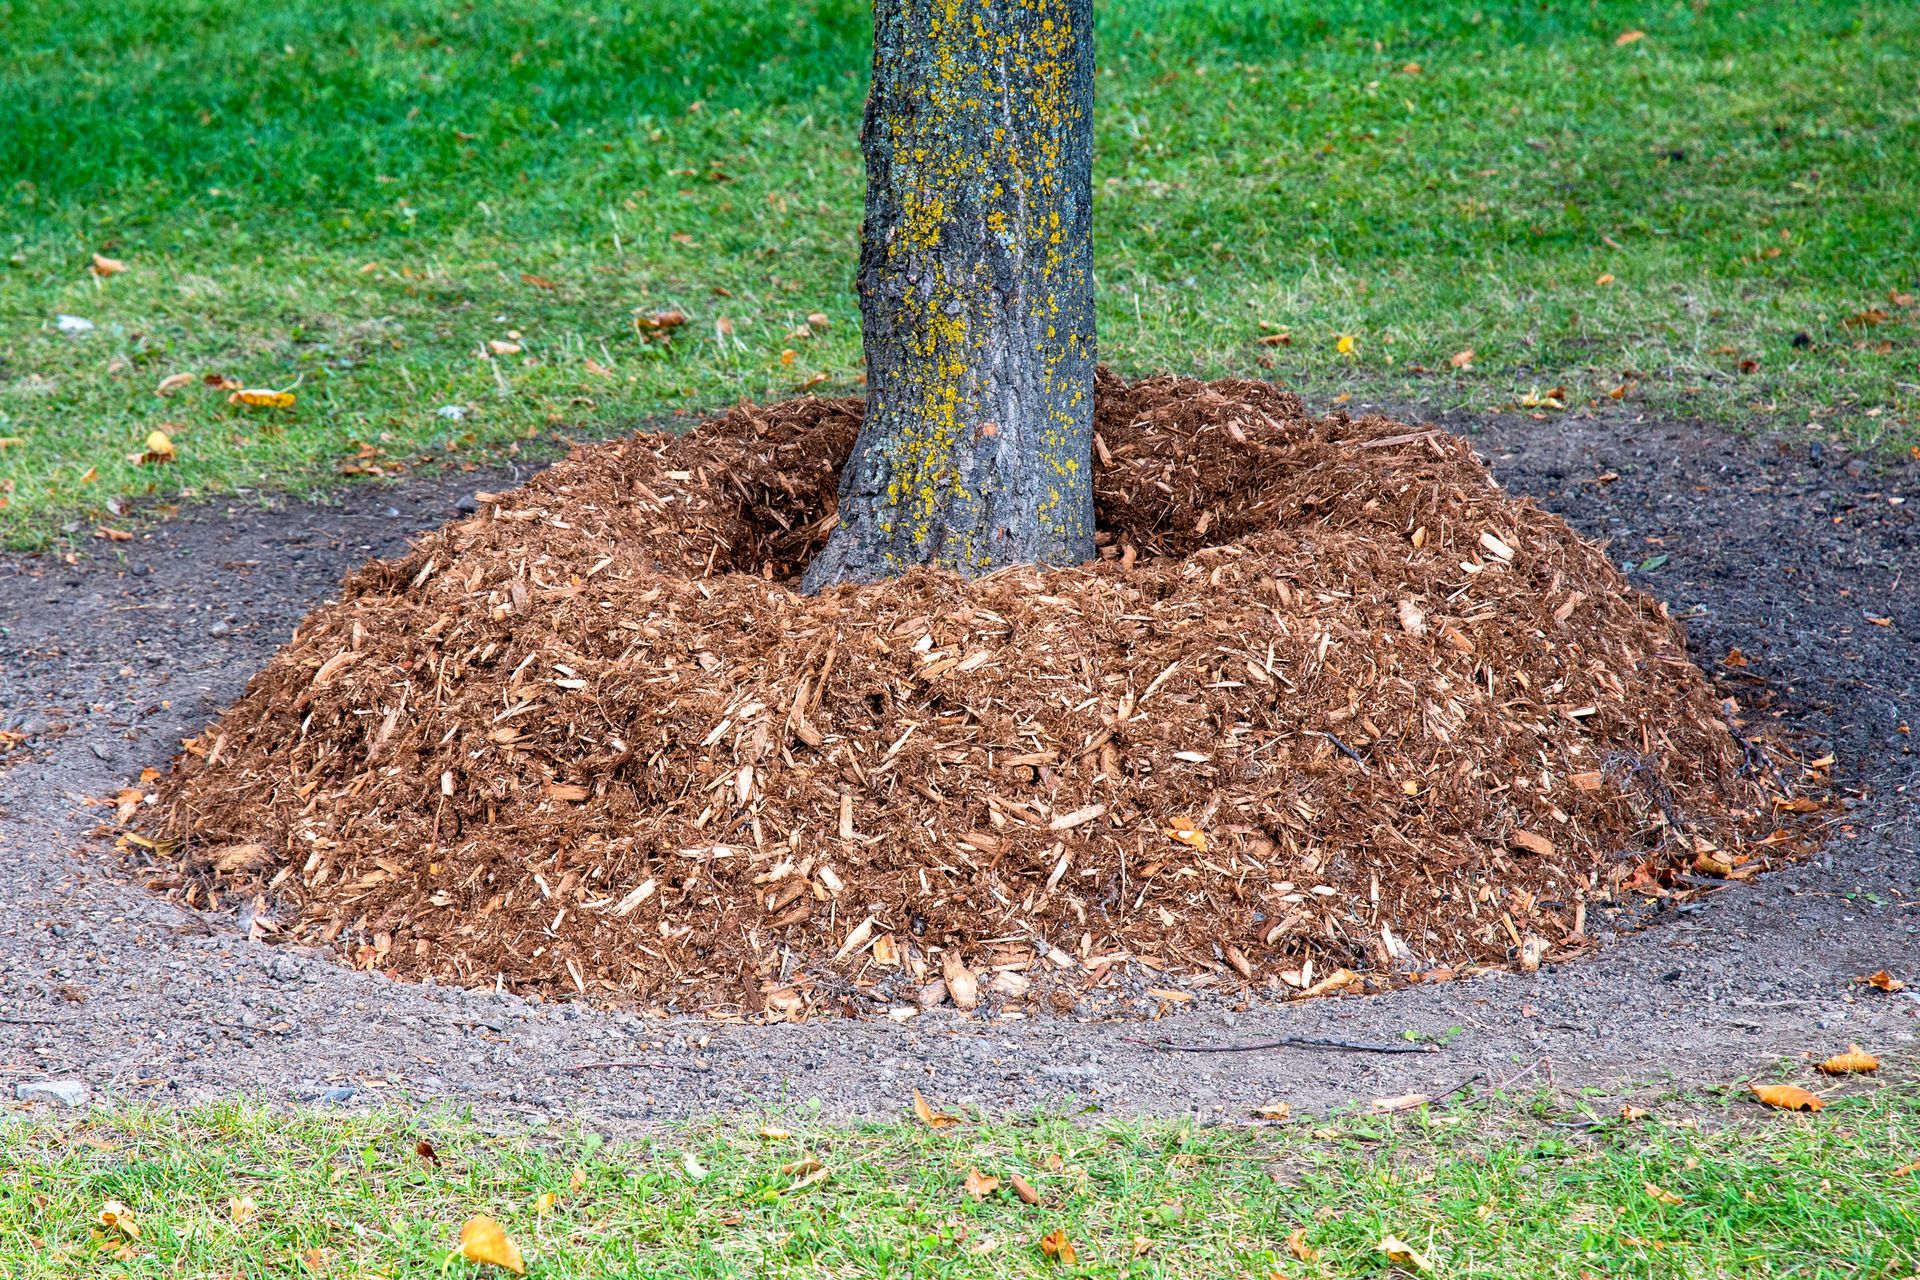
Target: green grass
(351, 198)
(1757, 1195)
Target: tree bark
(976, 293)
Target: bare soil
(109, 662)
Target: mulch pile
(1329, 711)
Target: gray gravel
(108, 662)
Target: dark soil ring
(1331, 710)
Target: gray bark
(976, 294)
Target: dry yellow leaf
(1056, 1246)
(979, 1186)
(1344, 345)
(159, 448)
(172, 383)
(774, 1133)
(1661, 1194)
(500, 347)
(115, 1216)
(1187, 832)
(1275, 1111)
(1297, 1245)
(1400, 1253)
(1786, 1097)
(544, 1202)
(928, 1116)
(485, 1241)
(1854, 1059)
(258, 398)
(1630, 1113)
(242, 1209)
(1142, 1246)
(105, 266)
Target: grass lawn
(1696, 1189)
(353, 201)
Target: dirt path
(1787, 556)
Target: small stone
(219, 629)
(68, 1093)
(467, 504)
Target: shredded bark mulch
(1330, 712)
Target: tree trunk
(976, 293)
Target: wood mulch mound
(1330, 711)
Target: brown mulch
(1330, 710)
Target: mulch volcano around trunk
(1330, 710)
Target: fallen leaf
(818, 319)
(172, 383)
(1275, 1111)
(695, 1171)
(538, 282)
(1344, 345)
(500, 347)
(1661, 1194)
(1904, 1170)
(1786, 1097)
(1400, 1102)
(813, 1177)
(425, 1151)
(1631, 1113)
(928, 1116)
(1461, 359)
(1400, 1253)
(159, 448)
(773, 1133)
(485, 1241)
(1056, 1246)
(1853, 1060)
(1023, 1189)
(597, 369)
(544, 1202)
(1626, 38)
(979, 1186)
(105, 266)
(802, 1167)
(1276, 340)
(1297, 1245)
(258, 398)
(1187, 832)
(242, 1209)
(113, 535)
(1884, 981)
(115, 1216)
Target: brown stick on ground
(1286, 1042)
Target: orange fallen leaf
(485, 1241)
(105, 266)
(1275, 1111)
(538, 282)
(1276, 340)
(1187, 832)
(1023, 1189)
(258, 398)
(1461, 359)
(979, 1186)
(1905, 1169)
(1786, 1097)
(1142, 1246)
(1400, 1253)
(1056, 1246)
(1297, 1245)
(928, 1116)
(1884, 981)
(1661, 1194)
(1626, 38)
(1853, 1060)
(113, 535)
